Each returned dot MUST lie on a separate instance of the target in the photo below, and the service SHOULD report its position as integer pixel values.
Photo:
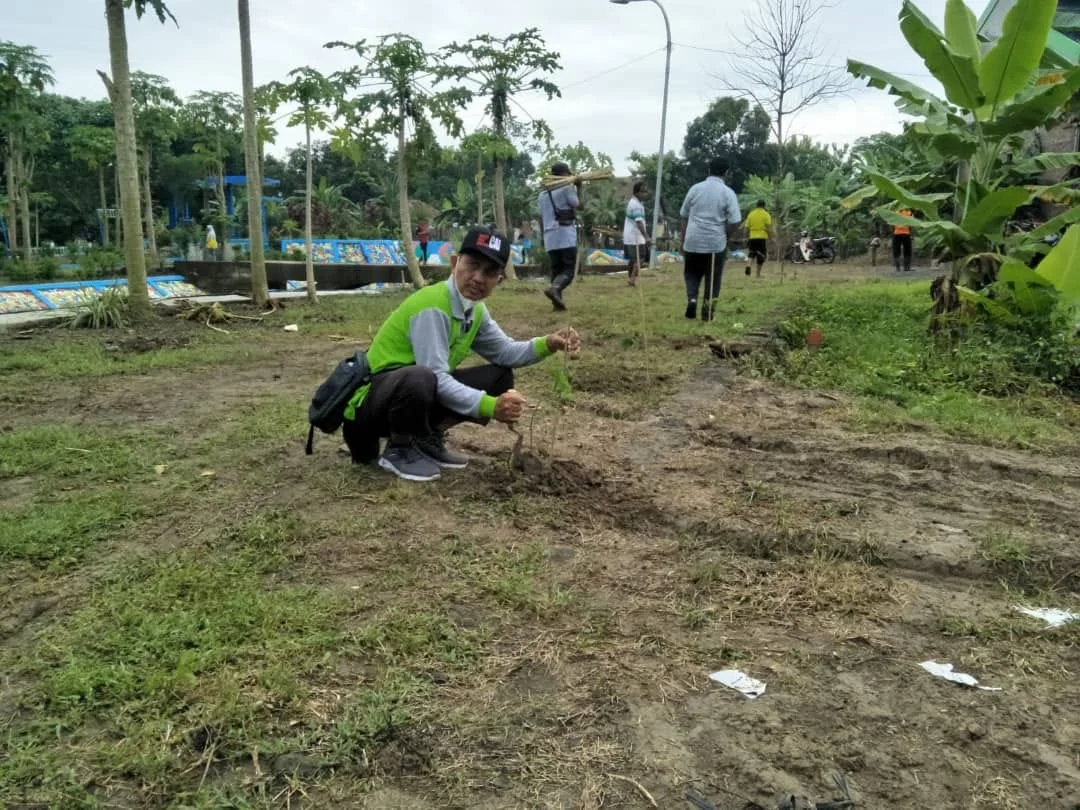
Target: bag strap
(310, 440)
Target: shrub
(99, 262)
(110, 310)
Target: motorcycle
(824, 250)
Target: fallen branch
(216, 328)
(638, 785)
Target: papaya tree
(215, 119)
(118, 85)
(96, 147)
(24, 75)
(992, 101)
(393, 93)
(311, 92)
(156, 107)
(501, 68)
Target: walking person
(558, 213)
(758, 224)
(710, 215)
(635, 236)
(875, 244)
(901, 243)
(417, 390)
(423, 236)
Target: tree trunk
(403, 202)
(13, 197)
(479, 190)
(309, 262)
(127, 159)
(500, 211)
(116, 204)
(104, 205)
(259, 290)
(24, 213)
(148, 208)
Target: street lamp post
(663, 128)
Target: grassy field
(193, 614)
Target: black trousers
(424, 251)
(699, 267)
(563, 264)
(402, 404)
(901, 245)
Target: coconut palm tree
(259, 289)
(127, 149)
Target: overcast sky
(612, 55)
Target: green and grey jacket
(437, 328)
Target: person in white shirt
(635, 236)
(710, 215)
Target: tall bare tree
(259, 290)
(127, 149)
(780, 63)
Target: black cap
(488, 243)
(560, 169)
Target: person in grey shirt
(710, 215)
(558, 212)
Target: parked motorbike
(824, 250)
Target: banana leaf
(988, 216)
(958, 74)
(927, 203)
(1011, 63)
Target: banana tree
(992, 102)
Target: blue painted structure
(100, 284)
(181, 214)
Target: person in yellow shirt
(758, 224)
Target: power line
(737, 54)
(602, 73)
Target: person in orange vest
(901, 243)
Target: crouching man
(417, 392)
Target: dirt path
(740, 525)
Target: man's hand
(565, 340)
(509, 407)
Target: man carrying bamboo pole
(710, 215)
(558, 211)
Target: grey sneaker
(434, 447)
(405, 461)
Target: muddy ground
(741, 524)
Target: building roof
(1063, 42)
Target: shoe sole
(386, 465)
(559, 305)
(447, 465)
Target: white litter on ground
(946, 671)
(1054, 617)
(740, 682)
